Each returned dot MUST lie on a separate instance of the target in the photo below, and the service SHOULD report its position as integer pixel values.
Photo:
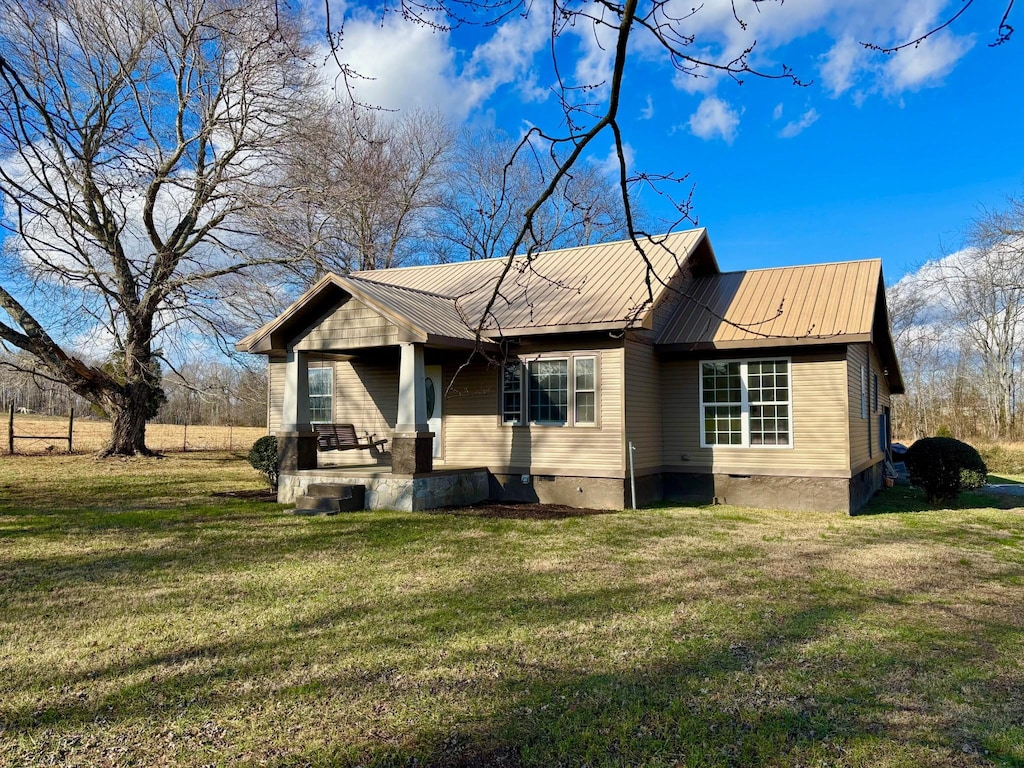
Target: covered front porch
(385, 489)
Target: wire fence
(36, 434)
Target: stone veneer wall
(403, 493)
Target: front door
(434, 396)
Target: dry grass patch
(92, 434)
(214, 630)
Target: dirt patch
(525, 511)
(260, 494)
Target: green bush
(263, 457)
(943, 467)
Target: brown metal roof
(816, 304)
(589, 286)
(609, 285)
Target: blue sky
(880, 156)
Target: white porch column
(412, 394)
(295, 417)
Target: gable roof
(596, 287)
(838, 303)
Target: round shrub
(263, 457)
(943, 466)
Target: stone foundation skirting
(408, 494)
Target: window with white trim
(512, 393)
(585, 388)
(550, 391)
(746, 403)
(548, 386)
(321, 395)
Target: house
(598, 373)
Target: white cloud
(403, 65)
(842, 64)
(925, 64)
(609, 166)
(847, 66)
(648, 111)
(796, 127)
(715, 118)
(777, 112)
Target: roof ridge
(403, 287)
(799, 266)
(653, 239)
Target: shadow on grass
(707, 695)
(906, 498)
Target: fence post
(10, 431)
(71, 429)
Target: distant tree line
(958, 324)
(213, 393)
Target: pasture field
(156, 612)
(91, 434)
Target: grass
(91, 434)
(146, 620)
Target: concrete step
(317, 505)
(330, 499)
(331, 490)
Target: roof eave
(762, 343)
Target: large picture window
(746, 403)
(550, 391)
(321, 395)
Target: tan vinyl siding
(862, 452)
(366, 396)
(857, 356)
(643, 405)
(820, 447)
(275, 393)
(352, 325)
(474, 437)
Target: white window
(746, 403)
(321, 395)
(512, 393)
(585, 409)
(548, 382)
(550, 391)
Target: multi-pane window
(549, 391)
(512, 393)
(586, 390)
(321, 395)
(722, 396)
(746, 403)
(768, 393)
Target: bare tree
(364, 184)
(134, 137)
(984, 288)
(958, 323)
(489, 185)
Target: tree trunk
(128, 416)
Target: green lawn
(146, 621)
